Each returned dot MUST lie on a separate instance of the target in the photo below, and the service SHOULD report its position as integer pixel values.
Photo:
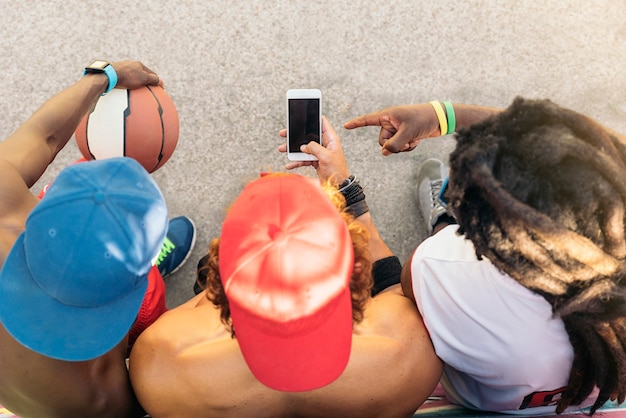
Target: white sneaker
(429, 182)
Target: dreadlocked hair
(361, 282)
(540, 191)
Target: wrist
(467, 115)
(355, 196)
(105, 68)
(98, 81)
(337, 179)
(446, 117)
(347, 182)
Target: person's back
(38, 386)
(503, 348)
(290, 324)
(187, 364)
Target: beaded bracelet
(355, 197)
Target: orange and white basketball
(140, 123)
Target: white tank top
(503, 351)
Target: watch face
(98, 65)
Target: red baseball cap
(286, 260)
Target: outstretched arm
(33, 146)
(402, 127)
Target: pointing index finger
(369, 119)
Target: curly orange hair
(361, 282)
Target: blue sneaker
(177, 245)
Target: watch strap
(109, 71)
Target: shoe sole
(191, 246)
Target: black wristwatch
(100, 66)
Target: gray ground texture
(227, 65)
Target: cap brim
(297, 362)
(53, 329)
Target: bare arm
(402, 127)
(378, 248)
(406, 369)
(33, 146)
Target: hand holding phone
(330, 163)
(304, 122)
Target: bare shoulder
(191, 354)
(393, 313)
(394, 318)
(151, 360)
(174, 331)
(392, 350)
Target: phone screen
(304, 122)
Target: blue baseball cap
(73, 282)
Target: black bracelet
(357, 209)
(351, 190)
(355, 197)
(351, 179)
(386, 272)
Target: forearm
(386, 268)
(377, 247)
(467, 115)
(55, 121)
(356, 206)
(33, 146)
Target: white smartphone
(304, 121)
